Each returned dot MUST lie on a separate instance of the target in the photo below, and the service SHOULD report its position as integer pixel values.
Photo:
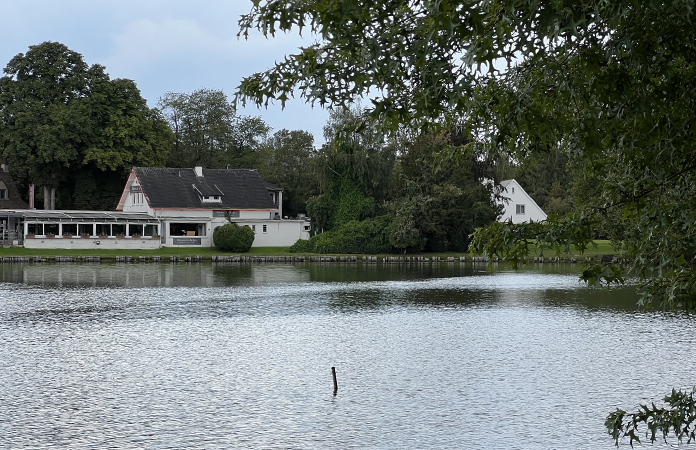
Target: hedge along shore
(292, 259)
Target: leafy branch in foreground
(679, 417)
(611, 82)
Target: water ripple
(474, 360)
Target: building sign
(187, 241)
(135, 189)
(222, 213)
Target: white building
(88, 229)
(191, 203)
(518, 205)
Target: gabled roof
(12, 198)
(169, 188)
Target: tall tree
(72, 129)
(288, 163)
(453, 201)
(208, 132)
(353, 170)
(546, 179)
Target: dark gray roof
(181, 188)
(12, 198)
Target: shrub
(302, 246)
(233, 238)
(367, 236)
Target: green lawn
(603, 248)
(205, 252)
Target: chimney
(4, 167)
(199, 171)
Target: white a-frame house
(519, 206)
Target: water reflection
(362, 285)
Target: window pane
(187, 229)
(85, 229)
(135, 229)
(119, 229)
(150, 230)
(69, 229)
(103, 229)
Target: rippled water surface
(239, 356)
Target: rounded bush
(233, 238)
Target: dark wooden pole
(333, 372)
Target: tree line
(68, 127)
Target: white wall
(279, 233)
(109, 243)
(518, 197)
(127, 198)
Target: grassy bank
(603, 248)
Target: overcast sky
(163, 45)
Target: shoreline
(292, 259)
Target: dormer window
(207, 193)
(212, 199)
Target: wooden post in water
(333, 372)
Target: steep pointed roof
(11, 199)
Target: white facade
(93, 242)
(195, 228)
(277, 233)
(519, 207)
(88, 230)
(186, 227)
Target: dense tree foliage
(352, 169)
(451, 201)
(287, 162)
(379, 195)
(547, 178)
(69, 127)
(209, 133)
(609, 82)
(612, 83)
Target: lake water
(170, 356)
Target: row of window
(91, 229)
